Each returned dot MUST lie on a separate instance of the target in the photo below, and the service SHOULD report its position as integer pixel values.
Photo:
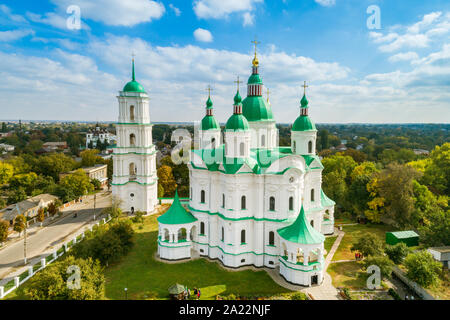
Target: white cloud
(249, 19)
(12, 35)
(326, 3)
(13, 17)
(404, 56)
(421, 34)
(203, 35)
(175, 9)
(109, 12)
(217, 9)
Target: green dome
(301, 231)
(304, 102)
(237, 122)
(255, 108)
(209, 103)
(209, 123)
(254, 79)
(133, 86)
(303, 123)
(237, 98)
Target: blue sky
(398, 73)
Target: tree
(422, 268)
(160, 191)
(90, 158)
(54, 164)
(382, 262)
(166, 179)
(97, 184)
(437, 172)
(397, 252)
(6, 172)
(53, 208)
(52, 283)
(27, 181)
(358, 156)
(324, 142)
(358, 192)
(4, 230)
(41, 215)
(77, 183)
(395, 186)
(368, 245)
(17, 195)
(20, 223)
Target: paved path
(43, 240)
(334, 247)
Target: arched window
(272, 204)
(182, 234)
(132, 139)
(213, 143)
(223, 200)
(132, 171)
(271, 238)
(312, 223)
(223, 234)
(202, 196)
(294, 146)
(242, 148)
(202, 228)
(166, 235)
(263, 140)
(242, 236)
(291, 203)
(310, 147)
(190, 194)
(131, 112)
(312, 194)
(243, 204)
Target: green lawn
(329, 241)
(146, 277)
(348, 274)
(355, 231)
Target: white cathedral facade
(134, 157)
(251, 201)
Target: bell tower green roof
(176, 214)
(303, 122)
(301, 231)
(209, 122)
(237, 121)
(133, 85)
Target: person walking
(198, 294)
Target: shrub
(422, 268)
(368, 245)
(52, 282)
(397, 252)
(4, 230)
(394, 294)
(383, 262)
(298, 296)
(139, 217)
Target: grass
(146, 277)
(329, 241)
(348, 274)
(441, 291)
(354, 232)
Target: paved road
(43, 240)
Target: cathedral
(251, 201)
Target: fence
(19, 280)
(413, 285)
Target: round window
(132, 195)
(291, 179)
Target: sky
(364, 61)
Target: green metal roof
(176, 214)
(404, 234)
(133, 85)
(237, 122)
(258, 161)
(301, 231)
(209, 103)
(325, 201)
(255, 108)
(304, 102)
(209, 123)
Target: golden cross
(238, 82)
(209, 89)
(304, 87)
(255, 42)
